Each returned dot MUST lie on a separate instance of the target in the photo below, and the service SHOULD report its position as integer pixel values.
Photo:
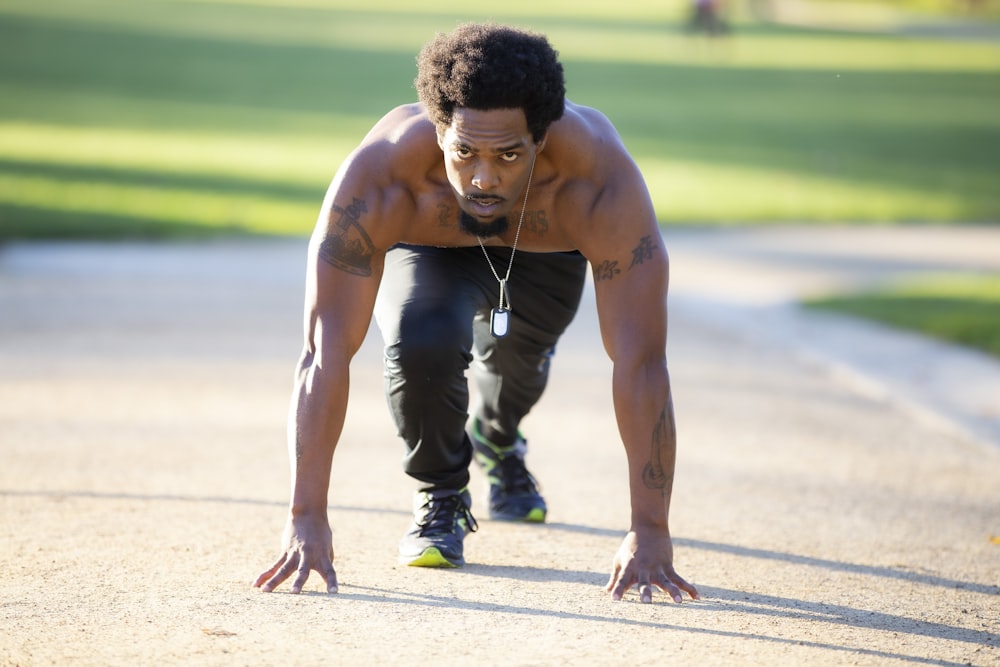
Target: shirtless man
(493, 190)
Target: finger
(330, 577)
(283, 573)
(623, 584)
(328, 573)
(668, 587)
(645, 592)
(688, 588)
(268, 573)
(614, 577)
(672, 584)
(301, 575)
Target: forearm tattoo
(347, 245)
(658, 472)
(643, 252)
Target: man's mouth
(483, 207)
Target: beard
(483, 230)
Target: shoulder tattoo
(643, 252)
(347, 245)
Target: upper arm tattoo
(347, 245)
(643, 252)
(606, 270)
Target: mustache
(483, 197)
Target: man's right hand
(307, 545)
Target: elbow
(322, 359)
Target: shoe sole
(430, 557)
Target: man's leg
(511, 374)
(425, 309)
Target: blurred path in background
(753, 279)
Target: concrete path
(837, 496)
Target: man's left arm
(631, 272)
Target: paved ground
(836, 496)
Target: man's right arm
(344, 269)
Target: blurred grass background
(165, 118)
(960, 308)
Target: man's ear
(540, 144)
(439, 131)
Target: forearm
(645, 415)
(316, 419)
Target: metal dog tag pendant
(499, 322)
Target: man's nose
(485, 177)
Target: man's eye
(463, 153)
(508, 157)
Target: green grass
(961, 309)
(165, 117)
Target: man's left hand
(646, 561)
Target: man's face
(488, 157)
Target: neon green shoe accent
(430, 557)
(489, 467)
(478, 436)
(489, 464)
(513, 493)
(536, 515)
(483, 440)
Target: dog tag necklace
(500, 316)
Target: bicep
(630, 270)
(631, 291)
(344, 270)
(346, 254)
(339, 304)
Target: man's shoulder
(585, 124)
(405, 126)
(399, 147)
(600, 186)
(585, 139)
(585, 114)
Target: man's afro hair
(486, 66)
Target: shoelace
(441, 516)
(516, 478)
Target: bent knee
(427, 354)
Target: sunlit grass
(235, 115)
(778, 50)
(175, 207)
(963, 309)
(307, 160)
(698, 191)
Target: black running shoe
(441, 520)
(513, 491)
